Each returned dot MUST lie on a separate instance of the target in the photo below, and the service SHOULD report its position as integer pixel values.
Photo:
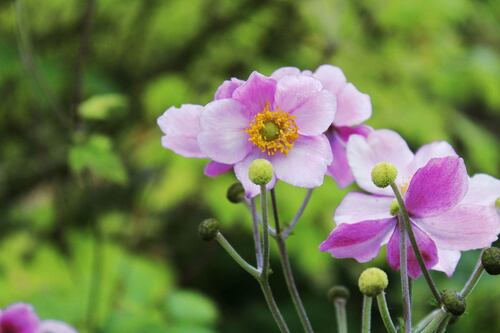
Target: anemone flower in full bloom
(434, 182)
(21, 318)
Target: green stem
(239, 260)
(384, 313)
(287, 270)
(256, 233)
(425, 321)
(403, 263)
(341, 315)
(367, 314)
(413, 241)
(286, 233)
(436, 322)
(273, 307)
(474, 278)
(265, 232)
(444, 324)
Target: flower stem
(287, 269)
(403, 263)
(235, 255)
(273, 307)
(425, 321)
(265, 232)
(384, 313)
(444, 324)
(366, 315)
(341, 315)
(256, 233)
(436, 322)
(413, 241)
(474, 278)
(286, 233)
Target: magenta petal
(465, 227)
(222, 136)
(339, 169)
(425, 244)
(437, 187)
(345, 132)
(305, 164)
(361, 241)
(256, 92)
(430, 151)
(213, 169)
(332, 78)
(358, 206)
(353, 107)
(241, 172)
(227, 88)
(19, 318)
(181, 127)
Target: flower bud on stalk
(260, 172)
(384, 174)
(491, 260)
(338, 293)
(208, 229)
(235, 193)
(372, 281)
(453, 302)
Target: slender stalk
(287, 270)
(286, 233)
(265, 232)
(403, 263)
(95, 282)
(385, 314)
(235, 255)
(413, 241)
(474, 278)
(425, 321)
(341, 315)
(436, 322)
(256, 234)
(367, 314)
(444, 324)
(273, 307)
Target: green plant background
(98, 222)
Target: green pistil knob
(337, 293)
(384, 174)
(372, 281)
(260, 172)
(235, 193)
(394, 209)
(208, 229)
(270, 131)
(453, 302)
(491, 260)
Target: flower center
(273, 131)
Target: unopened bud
(384, 174)
(491, 260)
(453, 302)
(337, 293)
(372, 281)
(235, 193)
(260, 171)
(208, 229)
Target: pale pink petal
(361, 241)
(332, 78)
(181, 127)
(425, 244)
(213, 169)
(305, 164)
(222, 136)
(227, 88)
(315, 115)
(284, 71)
(437, 187)
(483, 190)
(447, 261)
(465, 227)
(241, 172)
(429, 151)
(256, 92)
(54, 326)
(345, 132)
(379, 146)
(356, 207)
(339, 168)
(353, 107)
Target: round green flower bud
(383, 174)
(394, 209)
(453, 302)
(497, 203)
(260, 171)
(235, 193)
(372, 281)
(208, 229)
(338, 292)
(491, 260)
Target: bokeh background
(98, 222)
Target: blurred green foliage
(98, 222)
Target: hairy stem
(474, 278)
(236, 257)
(444, 324)
(256, 234)
(425, 321)
(286, 233)
(384, 313)
(341, 315)
(273, 307)
(366, 315)
(436, 322)
(403, 263)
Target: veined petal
(305, 164)
(437, 187)
(332, 78)
(353, 106)
(213, 169)
(256, 92)
(425, 244)
(222, 136)
(227, 88)
(361, 241)
(181, 127)
(356, 207)
(447, 261)
(483, 190)
(241, 172)
(430, 151)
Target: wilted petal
(437, 187)
(353, 107)
(425, 244)
(227, 88)
(483, 190)
(361, 241)
(256, 92)
(181, 127)
(332, 78)
(213, 169)
(356, 207)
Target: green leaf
(102, 107)
(190, 307)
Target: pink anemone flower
(353, 108)
(282, 121)
(433, 182)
